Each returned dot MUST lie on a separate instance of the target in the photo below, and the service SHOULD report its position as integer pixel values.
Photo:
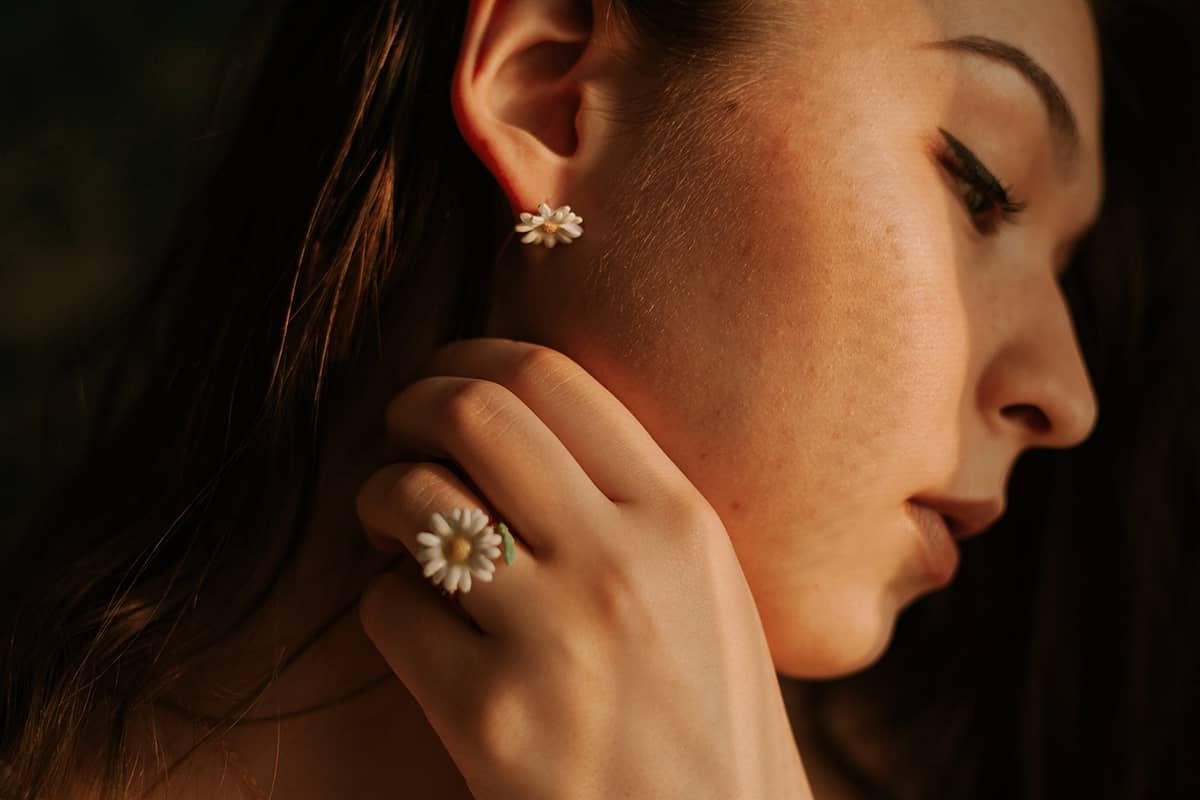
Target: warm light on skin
(838, 336)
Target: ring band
(460, 544)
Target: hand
(621, 654)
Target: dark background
(105, 112)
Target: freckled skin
(849, 340)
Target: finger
(395, 505)
(432, 652)
(605, 438)
(518, 464)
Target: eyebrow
(1062, 118)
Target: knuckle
(578, 655)
(496, 722)
(414, 485)
(472, 404)
(537, 366)
(687, 515)
(616, 597)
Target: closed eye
(986, 199)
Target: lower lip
(941, 551)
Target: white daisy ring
(460, 544)
(550, 226)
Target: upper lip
(965, 518)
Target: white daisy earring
(550, 226)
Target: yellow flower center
(550, 227)
(458, 551)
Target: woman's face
(841, 316)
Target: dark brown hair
(325, 213)
(323, 216)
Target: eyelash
(974, 177)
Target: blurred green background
(106, 125)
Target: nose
(1036, 386)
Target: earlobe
(516, 94)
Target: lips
(939, 550)
(965, 518)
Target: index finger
(605, 438)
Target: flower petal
(434, 566)
(464, 581)
(526, 216)
(428, 539)
(491, 552)
(452, 578)
(484, 576)
(531, 237)
(544, 210)
(549, 241)
(523, 228)
(477, 521)
(439, 524)
(573, 229)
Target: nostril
(1030, 416)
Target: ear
(517, 91)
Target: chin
(832, 638)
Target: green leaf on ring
(510, 549)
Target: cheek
(835, 349)
(851, 382)
(805, 370)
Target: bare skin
(840, 335)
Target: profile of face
(843, 295)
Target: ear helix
(550, 226)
